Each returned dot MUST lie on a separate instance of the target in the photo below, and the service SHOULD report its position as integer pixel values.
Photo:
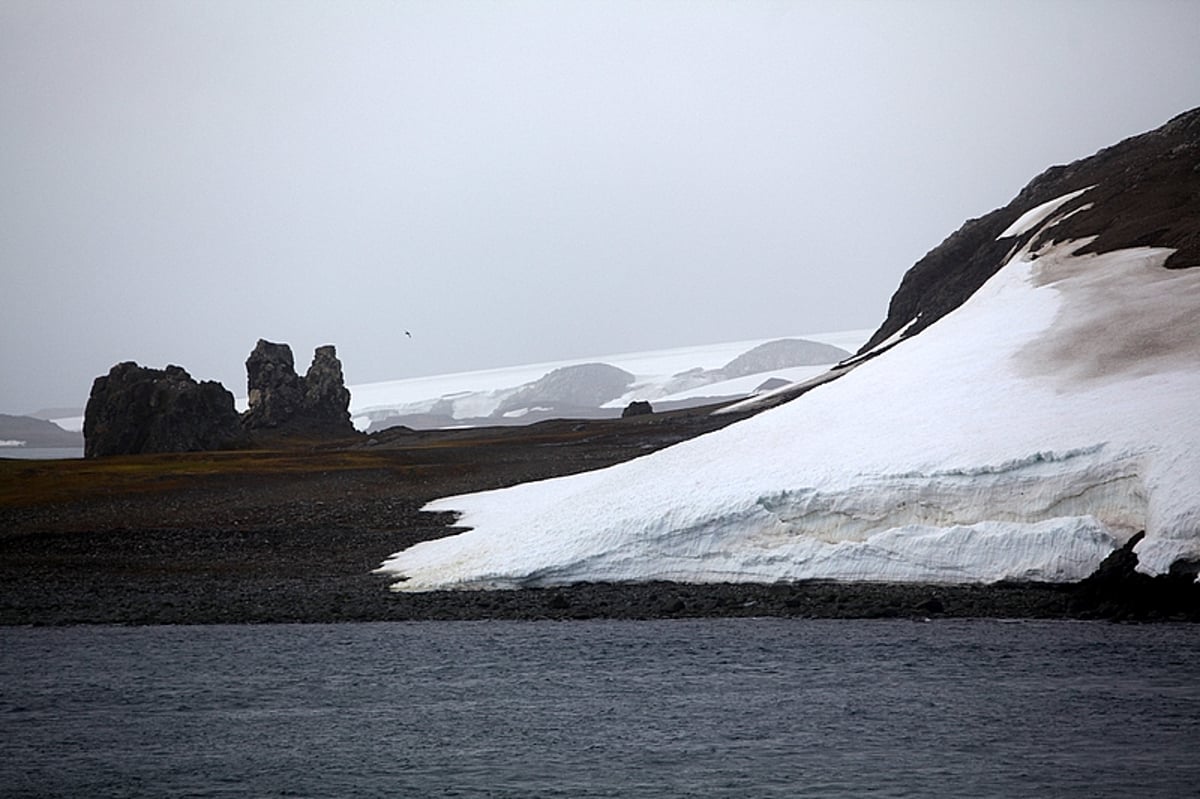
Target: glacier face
(964, 454)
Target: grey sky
(518, 181)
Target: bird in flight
(408, 334)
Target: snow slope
(1024, 436)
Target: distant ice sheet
(480, 393)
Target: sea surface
(687, 708)
(41, 453)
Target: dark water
(41, 453)
(712, 708)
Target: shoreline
(293, 534)
(163, 601)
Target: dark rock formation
(326, 398)
(1146, 192)
(275, 391)
(637, 408)
(316, 404)
(136, 409)
(1116, 590)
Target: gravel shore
(292, 534)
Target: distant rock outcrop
(318, 403)
(136, 409)
(637, 408)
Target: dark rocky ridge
(1146, 193)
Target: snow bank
(964, 454)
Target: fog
(515, 182)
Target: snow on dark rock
(1145, 191)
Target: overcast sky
(518, 181)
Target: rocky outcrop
(275, 391)
(281, 400)
(1116, 590)
(1146, 192)
(326, 398)
(637, 408)
(136, 409)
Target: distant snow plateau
(676, 377)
